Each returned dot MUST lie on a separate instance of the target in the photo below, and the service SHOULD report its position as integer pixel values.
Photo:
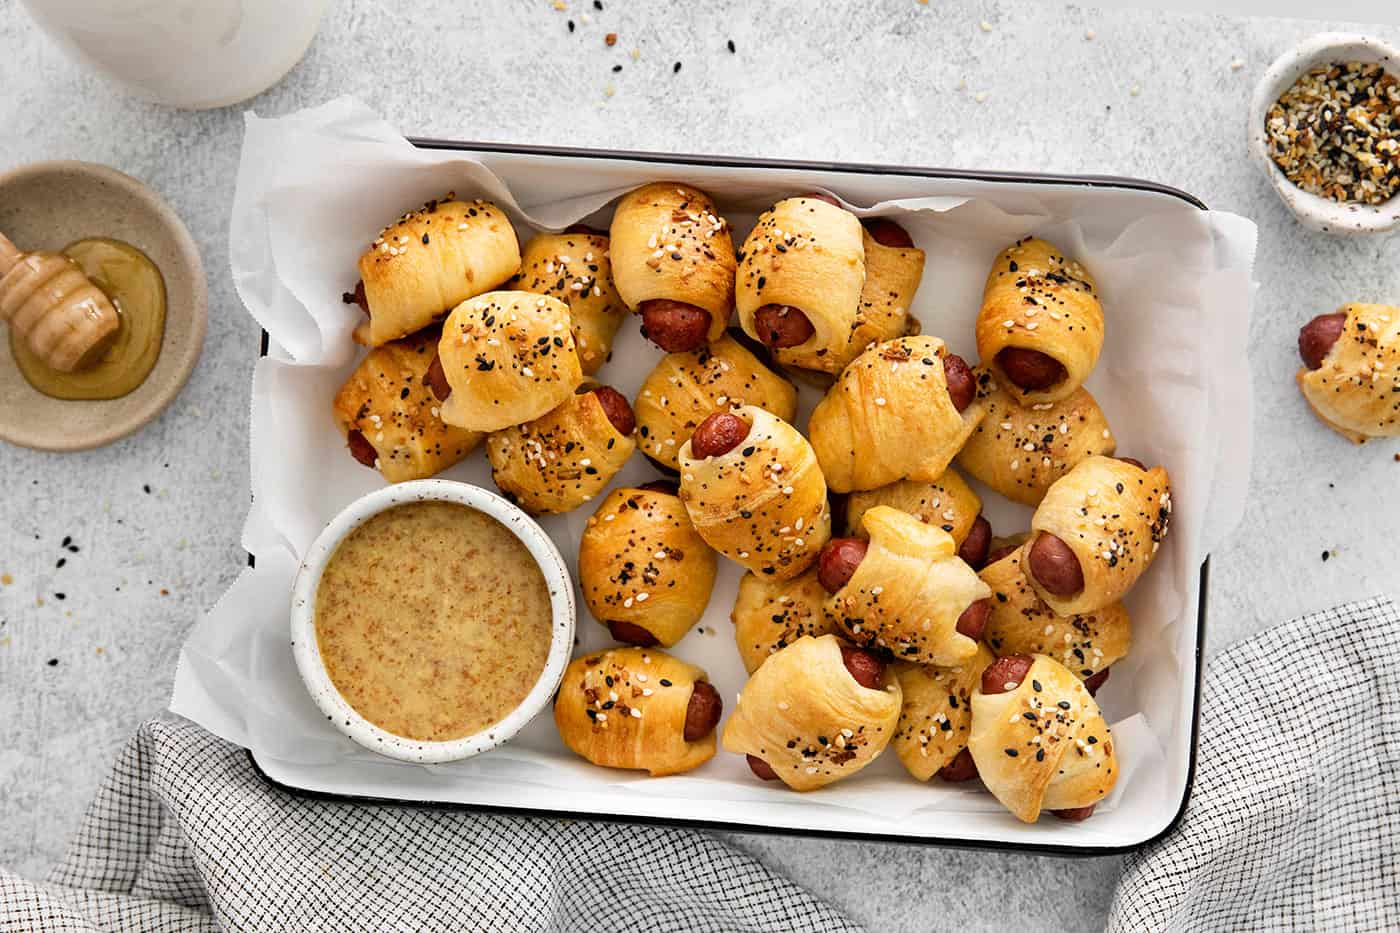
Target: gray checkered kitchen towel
(183, 835)
(1294, 824)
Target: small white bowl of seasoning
(431, 620)
(1298, 117)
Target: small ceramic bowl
(307, 651)
(1314, 212)
(47, 205)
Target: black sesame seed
(665, 682)
(1011, 752)
(1063, 704)
(675, 69)
(616, 68)
(1040, 754)
(53, 662)
(61, 562)
(571, 25)
(1029, 715)
(1326, 555)
(730, 45)
(67, 540)
(1092, 740)
(1035, 685)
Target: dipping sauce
(433, 620)
(137, 290)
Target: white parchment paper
(315, 187)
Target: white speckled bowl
(1317, 213)
(308, 653)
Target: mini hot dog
(936, 717)
(1351, 373)
(904, 591)
(815, 712)
(673, 263)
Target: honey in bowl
(433, 620)
(124, 358)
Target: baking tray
(275, 775)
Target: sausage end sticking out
(357, 297)
(703, 711)
(819, 196)
(1092, 684)
(999, 553)
(617, 408)
(866, 668)
(1055, 566)
(630, 634)
(761, 769)
(1030, 369)
(961, 768)
(1005, 674)
(1316, 338)
(674, 326)
(977, 544)
(1075, 815)
(888, 233)
(717, 435)
(973, 621)
(782, 326)
(838, 561)
(962, 387)
(361, 449)
(436, 380)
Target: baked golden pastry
(771, 614)
(645, 574)
(48, 301)
(907, 593)
(566, 456)
(576, 269)
(1351, 374)
(1040, 329)
(1039, 740)
(685, 388)
(428, 262)
(808, 720)
(947, 502)
(817, 288)
(1095, 533)
(891, 416)
(507, 358)
(1021, 623)
(754, 492)
(936, 715)
(635, 708)
(673, 262)
(1019, 451)
(390, 417)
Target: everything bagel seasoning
(1336, 133)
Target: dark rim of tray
(1091, 181)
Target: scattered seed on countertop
(675, 69)
(53, 662)
(730, 45)
(1326, 555)
(610, 39)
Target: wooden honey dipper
(52, 305)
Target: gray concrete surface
(87, 650)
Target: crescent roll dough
(808, 254)
(1356, 392)
(575, 268)
(1037, 299)
(1019, 451)
(625, 708)
(804, 714)
(640, 561)
(560, 460)
(685, 388)
(1043, 745)
(907, 593)
(1113, 516)
(947, 502)
(936, 715)
(889, 417)
(763, 504)
(432, 260)
(771, 614)
(1021, 623)
(509, 358)
(387, 403)
(669, 241)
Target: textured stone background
(87, 651)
